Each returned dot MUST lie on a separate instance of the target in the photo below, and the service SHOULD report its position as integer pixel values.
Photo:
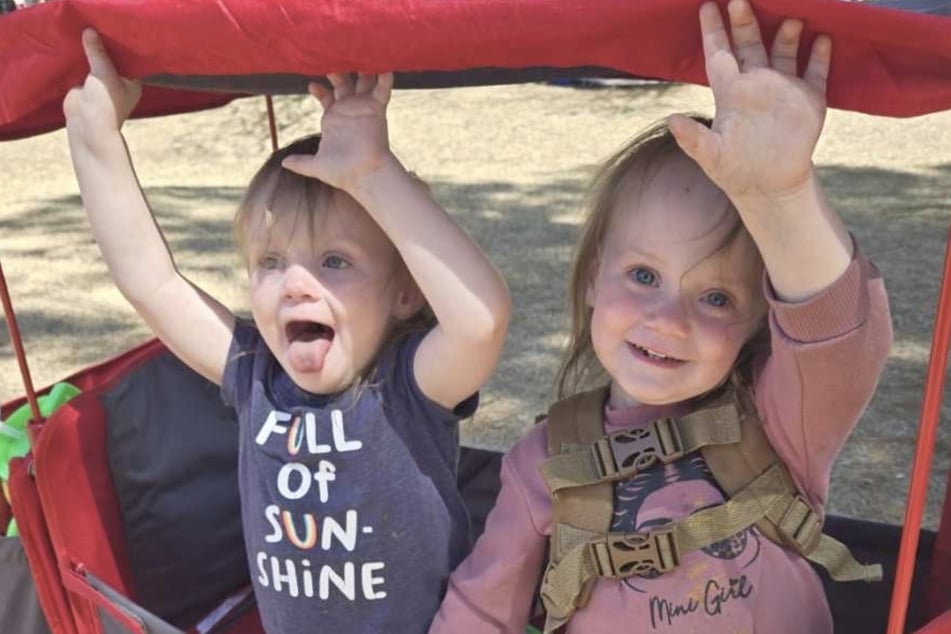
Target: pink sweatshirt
(827, 354)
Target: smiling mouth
(654, 355)
(307, 331)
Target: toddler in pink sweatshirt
(710, 257)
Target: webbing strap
(623, 454)
(563, 580)
(618, 555)
(835, 557)
(771, 497)
(769, 492)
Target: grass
(511, 164)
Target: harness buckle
(620, 555)
(801, 526)
(626, 453)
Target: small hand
(353, 129)
(106, 99)
(768, 119)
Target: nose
(670, 317)
(300, 284)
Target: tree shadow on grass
(900, 219)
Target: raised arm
(829, 315)
(759, 150)
(192, 324)
(465, 291)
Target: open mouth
(307, 331)
(654, 355)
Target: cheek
(617, 305)
(261, 291)
(614, 314)
(264, 299)
(724, 340)
(604, 320)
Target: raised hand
(768, 118)
(353, 128)
(106, 99)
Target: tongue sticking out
(309, 343)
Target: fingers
(69, 102)
(820, 58)
(720, 63)
(714, 34)
(785, 52)
(383, 88)
(365, 83)
(342, 85)
(320, 92)
(100, 64)
(723, 59)
(302, 164)
(696, 140)
(748, 45)
(377, 87)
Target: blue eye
(335, 262)
(270, 262)
(717, 299)
(643, 276)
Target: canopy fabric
(885, 61)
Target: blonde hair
(272, 184)
(642, 156)
(275, 191)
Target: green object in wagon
(14, 441)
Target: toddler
(737, 333)
(375, 321)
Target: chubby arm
(466, 292)
(191, 323)
(759, 149)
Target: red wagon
(103, 517)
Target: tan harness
(583, 465)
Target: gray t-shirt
(351, 514)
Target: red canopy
(885, 61)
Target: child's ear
(409, 301)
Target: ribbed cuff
(841, 308)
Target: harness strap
(574, 419)
(835, 557)
(623, 454)
(771, 497)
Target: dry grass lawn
(511, 164)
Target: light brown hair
(640, 158)
(274, 191)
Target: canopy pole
(924, 451)
(272, 124)
(18, 348)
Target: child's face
(324, 297)
(671, 307)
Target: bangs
(275, 192)
(736, 262)
(279, 197)
(737, 256)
